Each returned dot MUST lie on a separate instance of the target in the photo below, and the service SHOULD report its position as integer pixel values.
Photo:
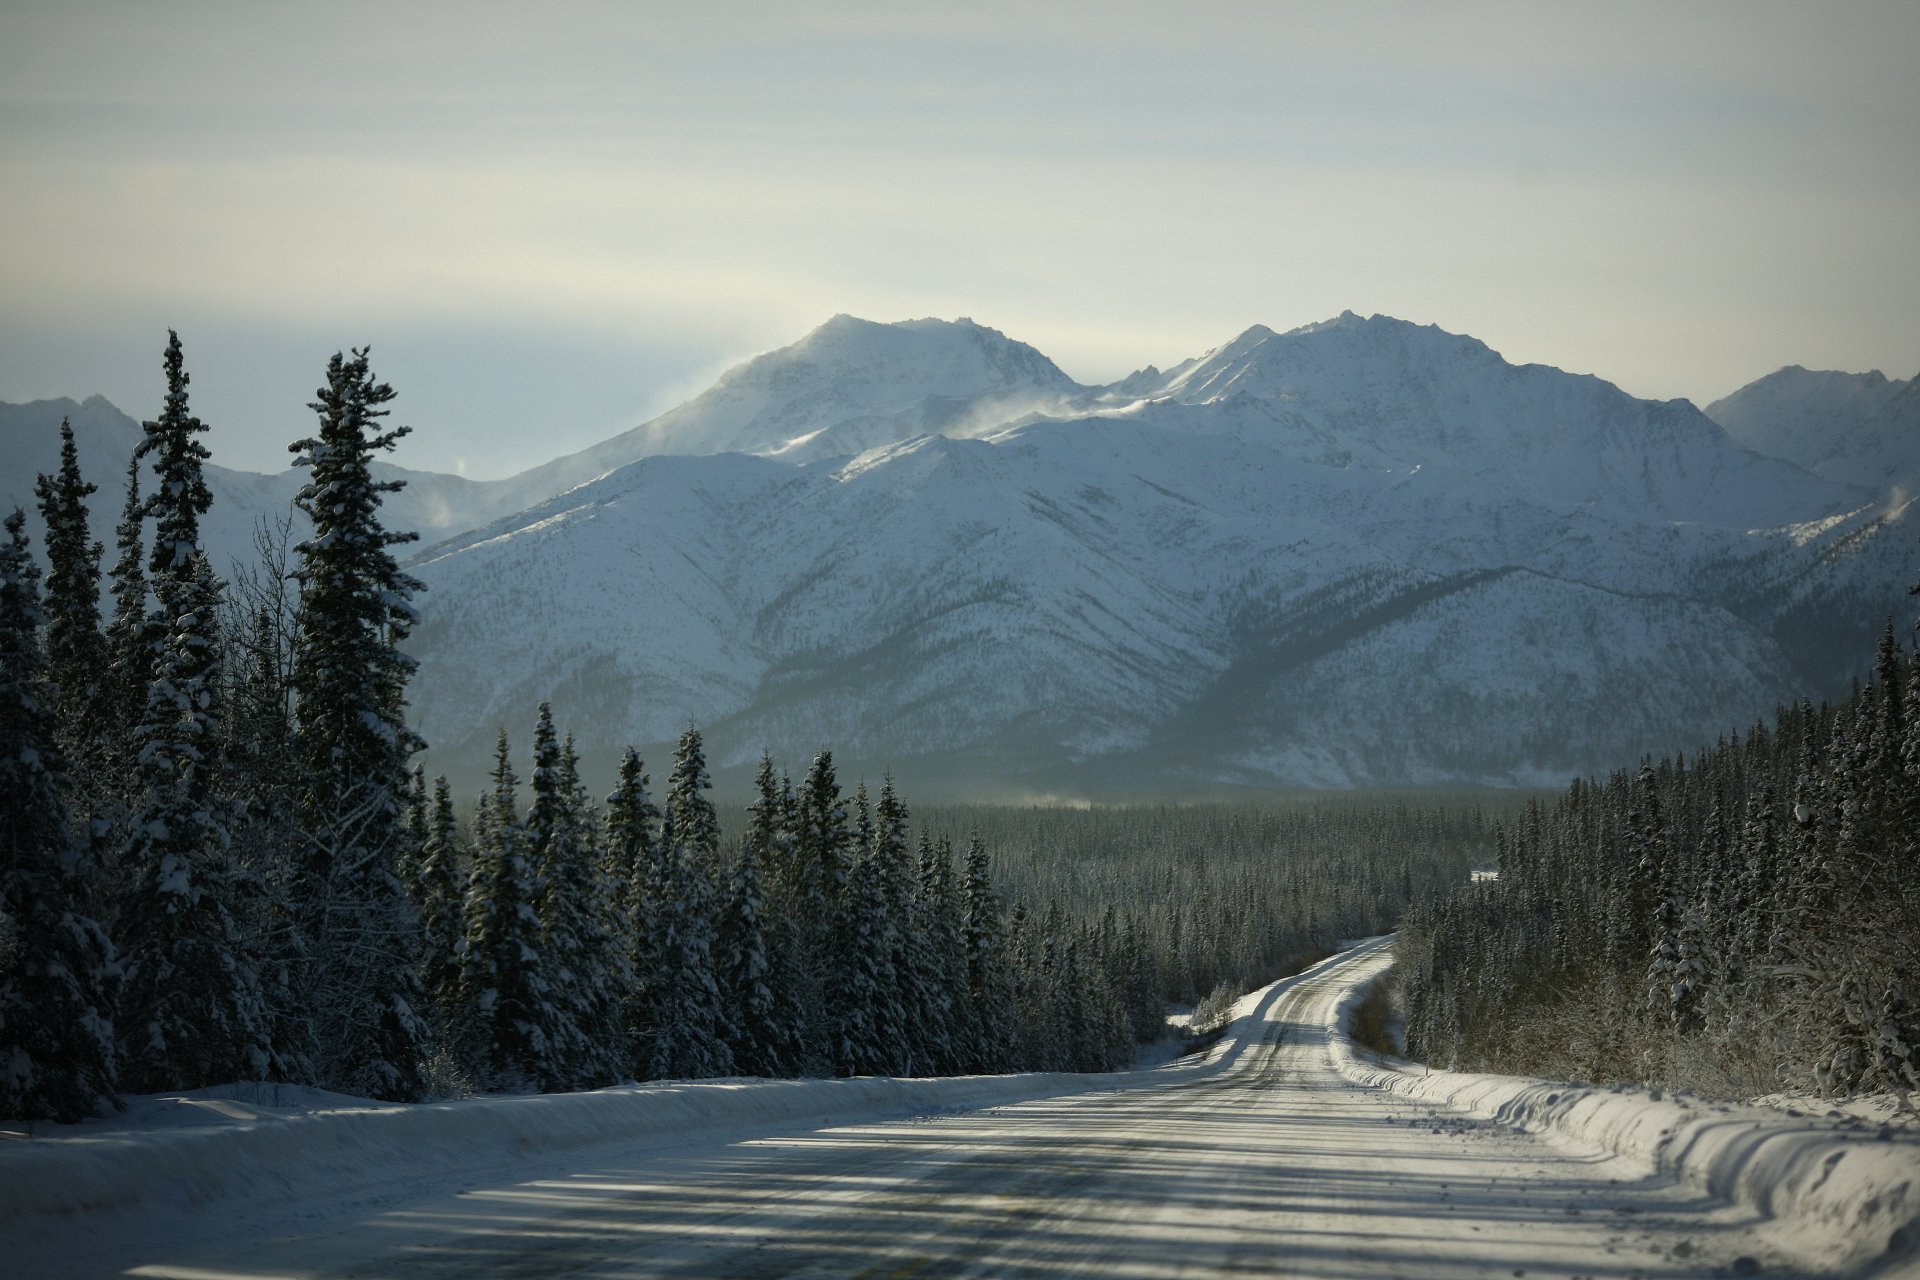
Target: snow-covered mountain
(1360, 552)
(1363, 551)
(435, 505)
(1858, 428)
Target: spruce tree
(573, 940)
(56, 991)
(349, 684)
(629, 854)
(863, 978)
(441, 904)
(131, 636)
(983, 942)
(755, 1033)
(690, 1029)
(502, 979)
(944, 1028)
(191, 1012)
(180, 495)
(75, 645)
(819, 878)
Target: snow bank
(1848, 1199)
(245, 1145)
(314, 1153)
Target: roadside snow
(1842, 1195)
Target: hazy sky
(554, 220)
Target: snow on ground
(1260, 1157)
(1838, 1193)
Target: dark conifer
(349, 684)
(75, 645)
(57, 987)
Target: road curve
(1276, 1166)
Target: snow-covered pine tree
(819, 878)
(440, 899)
(690, 1040)
(502, 977)
(56, 992)
(755, 1032)
(180, 495)
(771, 833)
(75, 645)
(939, 965)
(629, 853)
(983, 937)
(353, 743)
(901, 1019)
(191, 1012)
(860, 997)
(584, 1049)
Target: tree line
(1741, 922)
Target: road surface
(1276, 1166)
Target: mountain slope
(1857, 428)
(1165, 594)
(432, 504)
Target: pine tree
(863, 976)
(690, 1028)
(573, 941)
(131, 635)
(191, 1013)
(76, 647)
(937, 966)
(56, 995)
(983, 941)
(349, 684)
(629, 854)
(755, 1033)
(503, 980)
(441, 904)
(771, 839)
(819, 878)
(180, 495)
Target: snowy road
(1277, 1166)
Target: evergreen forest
(1738, 923)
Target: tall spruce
(349, 684)
(191, 1011)
(502, 980)
(755, 1031)
(629, 853)
(57, 1057)
(130, 636)
(983, 937)
(75, 645)
(180, 495)
(440, 899)
(573, 941)
(690, 1028)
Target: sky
(553, 221)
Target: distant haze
(553, 222)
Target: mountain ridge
(1359, 552)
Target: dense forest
(1740, 923)
(218, 861)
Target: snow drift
(1845, 1200)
